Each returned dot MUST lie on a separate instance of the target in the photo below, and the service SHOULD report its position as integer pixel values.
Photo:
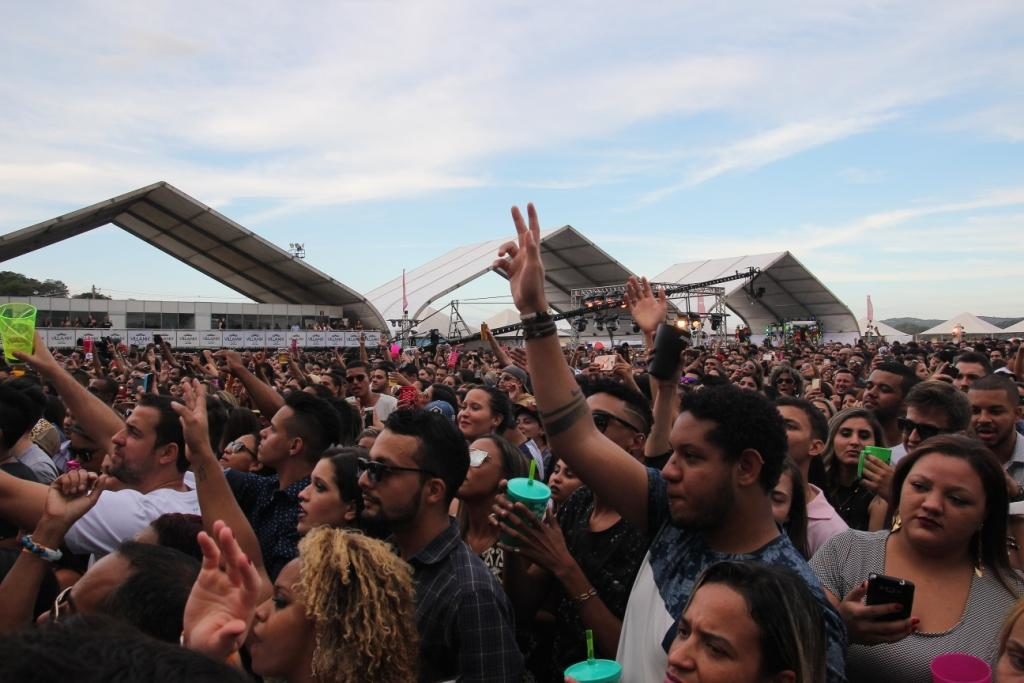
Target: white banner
(67, 338)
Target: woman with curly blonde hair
(342, 611)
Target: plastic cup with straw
(530, 492)
(593, 670)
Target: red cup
(960, 667)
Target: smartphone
(453, 360)
(147, 382)
(815, 383)
(157, 339)
(885, 590)
(295, 345)
(606, 363)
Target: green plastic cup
(17, 329)
(595, 671)
(883, 454)
(531, 493)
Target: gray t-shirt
(42, 466)
(846, 559)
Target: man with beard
(146, 456)
(465, 621)
(884, 392)
(993, 419)
(711, 501)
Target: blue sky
(880, 142)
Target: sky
(882, 143)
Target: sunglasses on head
(603, 419)
(377, 471)
(924, 431)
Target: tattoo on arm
(562, 419)
(200, 472)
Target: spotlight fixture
(581, 324)
(682, 323)
(636, 328)
(716, 321)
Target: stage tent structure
(175, 223)
(783, 291)
(571, 261)
(876, 328)
(972, 326)
(1015, 329)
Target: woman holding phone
(948, 540)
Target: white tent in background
(877, 328)
(972, 325)
(508, 316)
(1016, 328)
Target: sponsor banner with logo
(140, 337)
(61, 339)
(210, 339)
(255, 339)
(372, 340)
(233, 339)
(186, 339)
(335, 339)
(277, 339)
(315, 339)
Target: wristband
(583, 597)
(48, 554)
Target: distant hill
(919, 325)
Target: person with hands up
(948, 539)
(710, 502)
(67, 498)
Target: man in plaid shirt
(464, 618)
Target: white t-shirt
(119, 515)
(384, 407)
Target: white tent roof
(1016, 328)
(508, 316)
(888, 332)
(791, 291)
(571, 261)
(971, 323)
(170, 220)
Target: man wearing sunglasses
(933, 407)
(382, 405)
(465, 622)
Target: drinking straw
(590, 645)
(533, 472)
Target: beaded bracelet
(48, 554)
(539, 326)
(583, 597)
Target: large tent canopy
(791, 292)
(1016, 328)
(175, 223)
(571, 261)
(970, 323)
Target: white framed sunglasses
(477, 457)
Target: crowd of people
(333, 515)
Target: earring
(978, 571)
(896, 522)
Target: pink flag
(871, 310)
(700, 305)
(405, 299)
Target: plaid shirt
(273, 513)
(465, 621)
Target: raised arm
(96, 418)
(613, 476)
(648, 310)
(264, 397)
(216, 501)
(499, 353)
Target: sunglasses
(238, 447)
(63, 605)
(478, 457)
(356, 378)
(603, 419)
(924, 431)
(785, 380)
(377, 471)
(82, 455)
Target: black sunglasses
(82, 455)
(238, 447)
(924, 431)
(378, 471)
(602, 419)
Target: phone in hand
(815, 383)
(606, 363)
(407, 394)
(886, 590)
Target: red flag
(871, 310)
(405, 299)
(700, 305)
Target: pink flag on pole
(700, 305)
(871, 310)
(405, 299)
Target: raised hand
(223, 601)
(194, 419)
(71, 495)
(647, 308)
(41, 359)
(520, 262)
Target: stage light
(716, 321)
(636, 328)
(682, 323)
(581, 324)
